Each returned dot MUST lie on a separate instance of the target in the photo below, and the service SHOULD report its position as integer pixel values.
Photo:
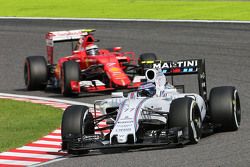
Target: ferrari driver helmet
(92, 50)
(147, 90)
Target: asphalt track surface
(225, 46)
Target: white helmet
(92, 50)
(147, 89)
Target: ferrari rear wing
(63, 36)
(183, 67)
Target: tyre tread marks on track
(40, 151)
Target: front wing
(96, 86)
(174, 138)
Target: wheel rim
(26, 74)
(83, 122)
(195, 123)
(83, 126)
(62, 81)
(236, 109)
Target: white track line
(128, 20)
(48, 162)
(57, 131)
(46, 99)
(52, 137)
(48, 142)
(47, 149)
(15, 162)
(28, 155)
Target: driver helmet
(92, 50)
(147, 90)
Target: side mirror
(117, 49)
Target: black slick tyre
(185, 113)
(70, 72)
(76, 122)
(35, 73)
(147, 57)
(144, 61)
(224, 108)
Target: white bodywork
(132, 108)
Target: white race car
(157, 114)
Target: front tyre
(35, 73)
(77, 121)
(70, 72)
(185, 113)
(224, 108)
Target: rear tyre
(35, 73)
(70, 72)
(185, 113)
(76, 122)
(225, 110)
(146, 57)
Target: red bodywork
(112, 61)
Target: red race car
(87, 69)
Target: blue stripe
(120, 111)
(137, 111)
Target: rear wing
(183, 67)
(63, 36)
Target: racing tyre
(35, 73)
(185, 113)
(70, 72)
(76, 122)
(225, 110)
(146, 57)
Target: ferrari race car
(157, 114)
(88, 69)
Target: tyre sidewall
(182, 112)
(76, 122)
(224, 108)
(146, 57)
(35, 73)
(70, 72)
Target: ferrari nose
(118, 77)
(121, 81)
(115, 73)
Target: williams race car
(157, 114)
(88, 69)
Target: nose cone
(118, 77)
(122, 138)
(114, 71)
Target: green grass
(147, 9)
(23, 122)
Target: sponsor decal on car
(188, 63)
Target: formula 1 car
(88, 69)
(155, 115)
